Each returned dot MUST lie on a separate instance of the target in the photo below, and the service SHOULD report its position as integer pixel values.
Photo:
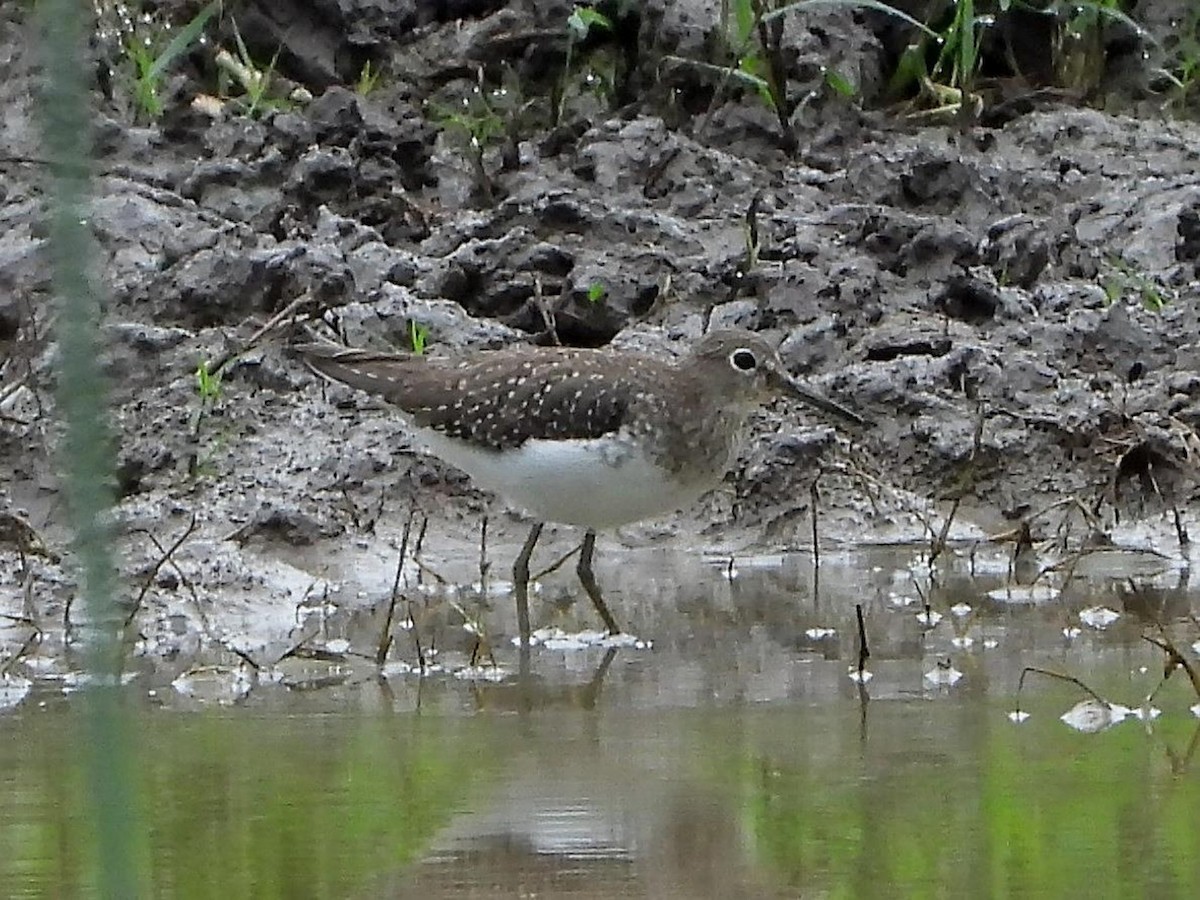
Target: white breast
(600, 483)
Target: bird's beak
(786, 384)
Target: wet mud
(1010, 304)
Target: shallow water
(734, 759)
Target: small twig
(242, 655)
(215, 366)
(423, 569)
(484, 565)
(163, 559)
(814, 496)
(417, 551)
(296, 649)
(416, 636)
(1181, 533)
(659, 168)
(34, 638)
(938, 545)
(556, 565)
(1059, 675)
(921, 595)
(864, 652)
(1175, 660)
(385, 636)
(15, 530)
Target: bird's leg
(583, 569)
(521, 581)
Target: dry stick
(1180, 529)
(939, 542)
(814, 497)
(212, 368)
(421, 543)
(34, 638)
(557, 564)
(296, 648)
(421, 570)
(15, 530)
(1175, 660)
(183, 579)
(416, 639)
(163, 559)
(1059, 675)
(659, 168)
(385, 637)
(921, 595)
(863, 480)
(864, 652)
(243, 656)
(484, 565)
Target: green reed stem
(87, 458)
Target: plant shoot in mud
(580, 24)
(254, 81)
(368, 80)
(1079, 43)
(942, 66)
(1122, 280)
(418, 337)
(473, 125)
(208, 384)
(755, 54)
(1181, 62)
(144, 48)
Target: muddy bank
(1012, 305)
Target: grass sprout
(146, 46)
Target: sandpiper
(592, 438)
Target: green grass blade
(185, 37)
(861, 4)
(966, 48)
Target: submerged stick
(864, 653)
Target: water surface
(734, 759)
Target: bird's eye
(743, 360)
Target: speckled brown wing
(499, 399)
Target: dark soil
(1012, 302)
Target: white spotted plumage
(595, 438)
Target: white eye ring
(743, 360)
